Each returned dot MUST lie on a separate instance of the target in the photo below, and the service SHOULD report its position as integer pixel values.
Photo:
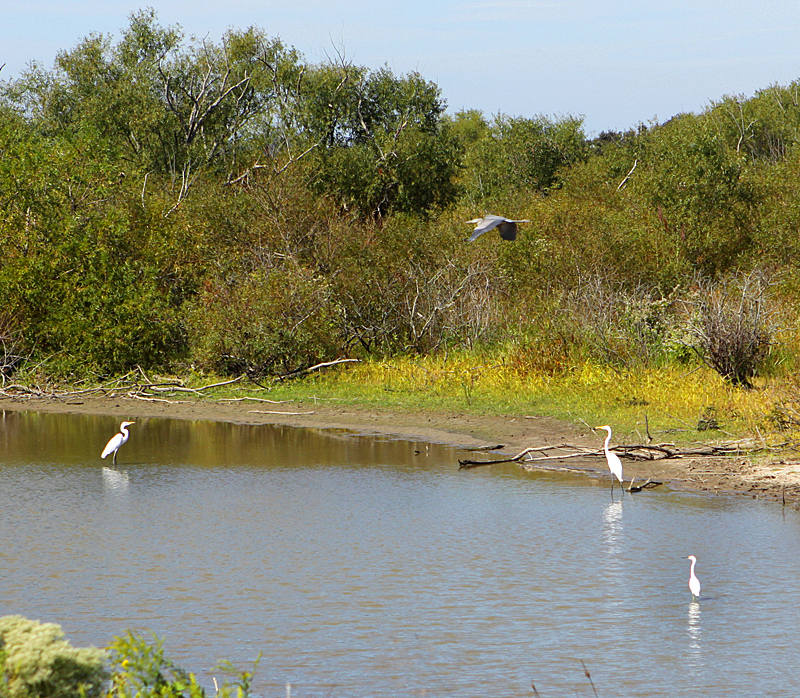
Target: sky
(616, 64)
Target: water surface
(373, 567)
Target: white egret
(694, 582)
(116, 441)
(508, 228)
(614, 463)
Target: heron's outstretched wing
(508, 230)
(484, 225)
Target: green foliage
(383, 142)
(76, 274)
(695, 185)
(36, 662)
(231, 204)
(141, 669)
(516, 153)
(765, 127)
(163, 106)
(276, 320)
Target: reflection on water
(695, 655)
(612, 528)
(373, 567)
(115, 481)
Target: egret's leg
(115, 457)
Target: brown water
(373, 567)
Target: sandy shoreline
(776, 481)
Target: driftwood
(648, 484)
(302, 371)
(636, 452)
(532, 458)
(475, 449)
(276, 412)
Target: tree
(384, 142)
(512, 153)
(694, 183)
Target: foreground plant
(36, 660)
(142, 670)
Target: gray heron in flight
(508, 228)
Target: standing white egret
(614, 463)
(116, 441)
(694, 582)
(508, 228)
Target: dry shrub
(617, 325)
(409, 286)
(12, 356)
(733, 325)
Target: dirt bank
(777, 480)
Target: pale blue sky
(614, 63)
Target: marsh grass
(675, 399)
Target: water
(373, 567)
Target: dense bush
(268, 321)
(232, 205)
(36, 662)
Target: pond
(374, 567)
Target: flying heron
(508, 228)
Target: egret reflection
(612, 527)
(115, 480)
(694, 628)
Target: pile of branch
(635, 452)
(124, 386)
(137, 385)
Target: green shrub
(142, 670)
(37, 662)
(265, 322)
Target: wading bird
(116, 441)
(694, 582)
(614, 463)
(508, 228)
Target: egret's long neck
(691, 571)
(608, 440)
(124, 431)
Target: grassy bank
(675, 400)
(676, 403)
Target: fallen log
(648, 484)
(638, 452)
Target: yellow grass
(674, 399)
